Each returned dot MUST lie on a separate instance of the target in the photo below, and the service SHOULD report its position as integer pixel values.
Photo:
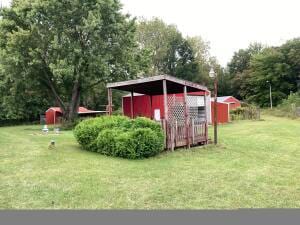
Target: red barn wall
(142, 105)
(223, 112)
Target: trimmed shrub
(143, 122)
(87, 131)
(147, 142)
(120, 136)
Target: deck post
(186, 117)
(193, 131)
(176, 132)
(132, 104)
(109, 96)
(165, 92)
(206, 121)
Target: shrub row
(120, 136)
(245, 113)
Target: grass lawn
(256, 165)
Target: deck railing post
(193, 131)
(172, 137)
(176, 132)
(186, 117)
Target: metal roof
(223, 99)
(81, 110)
(154, 85)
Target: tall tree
(238, 67)
(67, 47)
(160, 40)
(173, 54)
(278, 66)
(202, 57)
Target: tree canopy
(252, 70)
(171, 52)
(67, 47)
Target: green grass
(256, 165)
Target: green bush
(88, 130)
(121, 137)
(250, 112)
(147, 142)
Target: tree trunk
(71, 112)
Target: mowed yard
(256, 165)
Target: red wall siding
(223, 112)
(158, 103)
(142, 106)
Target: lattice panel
(196, 108)
(176, 108)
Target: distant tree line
(62, 53)
(251, 72)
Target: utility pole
(213, 75)
(271, 101)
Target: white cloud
(228, 24)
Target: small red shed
(223, 112)
(225, 104)
(54, 114)
(233, 102)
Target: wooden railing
(177, 134)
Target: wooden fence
(179, 135)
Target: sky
(228, 25)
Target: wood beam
(206, 121)
(186, 117)
(165, 93)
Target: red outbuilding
(223, 112)
(54, 114)
(225, 104)
(233, 102)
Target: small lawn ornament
(56, 130)
(52, 144)
(45, 129)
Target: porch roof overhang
(154, 85)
